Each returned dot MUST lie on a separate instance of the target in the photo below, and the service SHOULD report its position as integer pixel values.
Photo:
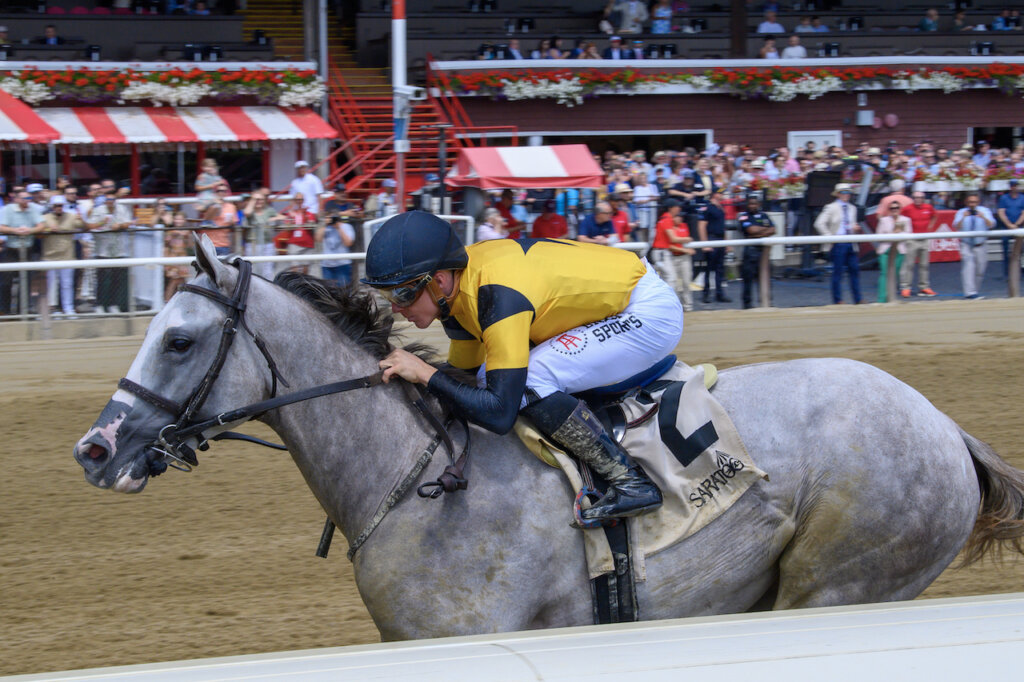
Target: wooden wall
(928, 115)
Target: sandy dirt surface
(220, 561)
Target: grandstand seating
(451, 31)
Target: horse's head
(120, 450)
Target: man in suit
(49, 37)
(840, 218)
(513, 50)
(616, 50)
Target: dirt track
(221, 561)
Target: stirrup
(577, 511)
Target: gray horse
(873, 491)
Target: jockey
(538, 319)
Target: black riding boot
(570, 423)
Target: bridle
(171, 445)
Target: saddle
(670, 423)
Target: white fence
(919, 641)
(148, 271)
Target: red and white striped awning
(19, 123)
(565, 165)
(149, 125)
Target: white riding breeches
(613, 349)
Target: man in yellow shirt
(538, 319)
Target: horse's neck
(351, 447)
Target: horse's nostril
(97, 453)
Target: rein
(173, 450)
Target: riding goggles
(404, 295)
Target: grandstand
(150, 36)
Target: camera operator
(973, 218)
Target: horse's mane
(353, 310)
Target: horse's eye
(179, 344)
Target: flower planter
(998, 185)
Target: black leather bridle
(171, 445)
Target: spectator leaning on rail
(59, 227)
(19, 222)
(1010, 210)
(108, 220)
(520, 314)
(549, 225)
(597, 228)
(492, 226)
(973, 252)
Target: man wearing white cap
(37, 191)
(615, 50)
(309, 186)
(59, 227)
(386, 198)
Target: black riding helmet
(411, 245)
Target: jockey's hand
(404, 364)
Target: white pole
(401, 101)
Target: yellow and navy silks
(517, 293)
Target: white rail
(919, 641)
(630, 246)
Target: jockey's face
(424, 310)
(420, 312)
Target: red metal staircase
(362, 112)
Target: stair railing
(463, 131)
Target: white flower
(302, 94)
(27, 91)
(784, 91)
(568, 92)
(160, 94)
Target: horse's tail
(1001, 519)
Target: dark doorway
(998, 137)
(599, 144)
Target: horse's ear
(206, 258)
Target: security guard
(539, 319)
(754, 223)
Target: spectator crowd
(667, 200)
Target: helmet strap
(444, 303)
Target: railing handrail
(358, 161)
(632, 246)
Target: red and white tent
(557, 166)
(146, 125)
(19, 123)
